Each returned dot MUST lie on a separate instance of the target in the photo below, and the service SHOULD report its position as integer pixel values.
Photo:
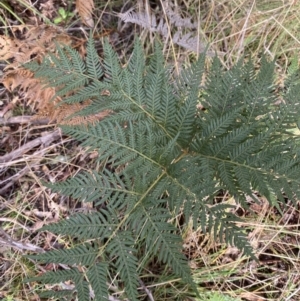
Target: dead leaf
(85, 8)
(7, 48)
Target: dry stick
(148, 292)
(38, 156)
(44, 140)
(23, 119)
(5, 239)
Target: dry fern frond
(176, 19)
(66, 114)
(31, 88)
(8, 48)
(37, 41)
(85, 9)
(189, 40)
(45, 35)
(143, 19)
(149, 20)
(44, 101)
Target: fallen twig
(44, 140)
(23, 119)
(6, 240)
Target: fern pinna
(166, 156)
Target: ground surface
(33, 149)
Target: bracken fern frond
(172, 144)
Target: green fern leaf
(136, 67)
(121, 249)
(86, 226)
(97, 275)
(57, 276)
(59, 295)
(113, 70)
(82, 254)
(82, 287)
(95, 187)
(93, 61)
(185, 114)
